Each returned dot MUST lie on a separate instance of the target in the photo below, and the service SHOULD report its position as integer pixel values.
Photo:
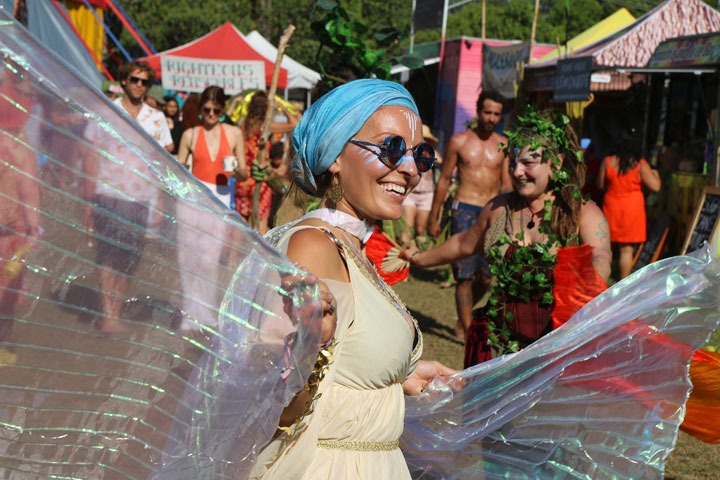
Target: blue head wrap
(333, 120)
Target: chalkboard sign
(572, 80)
(704, 221)
(656, 236)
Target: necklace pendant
(531, 224)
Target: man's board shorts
(420, 200)
(464, 216)
(120, 225)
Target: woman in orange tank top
(624, 174)
(212, 141)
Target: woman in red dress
(624, 174)
(251, 125)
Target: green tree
(169, 24)
(512, 19)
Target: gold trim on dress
(357, 446)
(325, 357)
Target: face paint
(369, 155)
(408, 156)
(412, 123)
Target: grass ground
(434, 309)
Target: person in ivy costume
(548, 247)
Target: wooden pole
(483, 21)
(442, 35)
(261, 158)
(412, 28)
(534, 25)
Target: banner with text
(501, 67)
(195, 74)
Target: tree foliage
(512, 19)
(169, 24)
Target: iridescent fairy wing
(599, 398)
(142, 324)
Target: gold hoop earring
(336, 192)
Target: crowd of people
(491, 187)
(519, 225)
(219, 153)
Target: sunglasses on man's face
(145, 82)
(393, 149)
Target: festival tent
(633, 46)
(615, 22)
(223, 43)
(299, 76)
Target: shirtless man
(482, 174)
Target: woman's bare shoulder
(499, 201)
(314, 250)
(231, 130)
(490, 213)
(188, 133)
(589, 211)
(496, 205)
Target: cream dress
(353, 430)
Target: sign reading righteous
(195, 74)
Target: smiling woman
(360, 149)
(524, 233)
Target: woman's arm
(650, 177)
(231, 107)
(184, 149)
(424, 373)
(458, 246)
(594, 231)
(312, 249)
(600, 181)
(285, 127)
(241, 172)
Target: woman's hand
(408, 252)
(425, 372)
(302, 286)
(258, 173)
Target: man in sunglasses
(136, 78)
(482, 171)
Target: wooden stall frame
(660, 245)
(696, 216)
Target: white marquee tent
(299, 76)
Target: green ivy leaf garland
(521, 277)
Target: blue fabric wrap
(330, 122)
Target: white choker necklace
(361, 229)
